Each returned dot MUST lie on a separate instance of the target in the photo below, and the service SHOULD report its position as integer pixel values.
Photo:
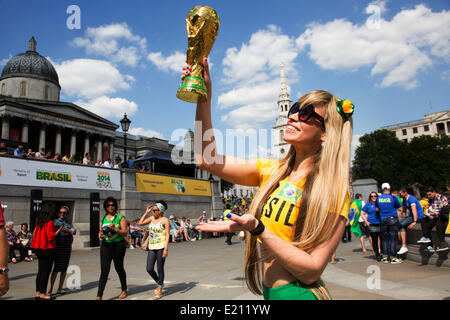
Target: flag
(353, 217)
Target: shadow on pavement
(179, 287)
(23, 276)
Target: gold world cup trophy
(202, 24)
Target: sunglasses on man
(306, 113)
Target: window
(281, 135)
(23, 89)
(47, 93)
(405, 140)
(415, 130)
(426, 128)
(404, 132)
(4, 89)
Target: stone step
(419, 253)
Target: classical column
(42, 137)
(99, 150)
(86, 144)
(25, 132)
(105, 144)
(111, 152)
(5, 129)
(73, 143)
(58, 141)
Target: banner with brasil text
(41, 173)
(153, 183)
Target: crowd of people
(386, 218)
(383, 219)
(42, 154)
(51, 242)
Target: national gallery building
(32, 115)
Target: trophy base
(192, 90)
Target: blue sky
(391, 58)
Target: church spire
(284, 89)
(284, 101)
(32, 44)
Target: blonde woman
(158, 243)
(299, 213)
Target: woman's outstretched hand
(205, 73)
(246, 222)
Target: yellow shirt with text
(280, 211)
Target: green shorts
(292, 291)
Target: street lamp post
(125, 123)
(213, 207)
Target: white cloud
(355, 144)
(260, 59)
(112, 41)
(146, 133)
(376, 5)
(109, 107)
(254, 72)
(5, 60)
(174, 62)
(266, 91)
(398, 49)
(250, 116)
(90, 78)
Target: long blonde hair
(325, 189)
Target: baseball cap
(171, 217)
(203, 211)
(386, 186)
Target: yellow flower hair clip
(345, 108)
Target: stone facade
(433, 124)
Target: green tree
(421, 163)
(379, 156)
(427, 162)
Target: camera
(108, 232)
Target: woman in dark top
(63, 248)
(113, 230)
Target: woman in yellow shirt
(299, 213)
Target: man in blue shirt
(388, 205)
(174, 229)
(415, 213)
(19, 151)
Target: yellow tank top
(280, 211)
(156, 236)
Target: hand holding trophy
(202, 24)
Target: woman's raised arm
(235, 170)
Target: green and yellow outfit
(112, 248)
(279, 215)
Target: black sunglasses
(64, 212)
(306, 113)
(110, 205)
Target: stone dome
(31, 65)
